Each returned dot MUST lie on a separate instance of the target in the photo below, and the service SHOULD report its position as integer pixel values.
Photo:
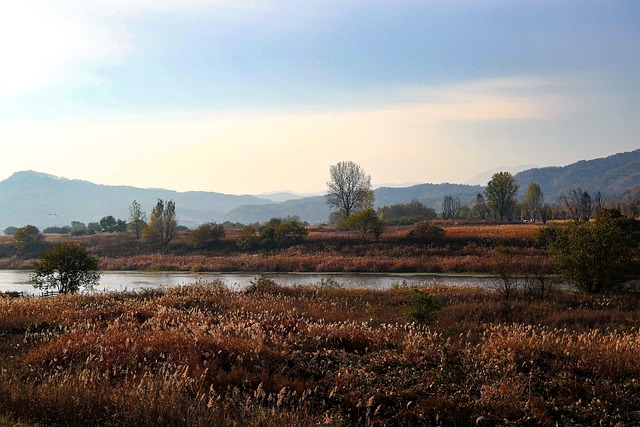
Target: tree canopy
(28, 238)
(593, 256)
(66, 267)
(349, 188)
(501, 195)
(162, 223)
(533, 200)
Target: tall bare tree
(450, 206)
(349, 188)
(481, 209)
(533, 200)
(578, 203)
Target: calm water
(18, 280)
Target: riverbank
(19, 280)
(299, 356)
(461, 249)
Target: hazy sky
(244, 96)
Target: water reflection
(17, 280)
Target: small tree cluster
(274, 233)
(406, 213)
(28, 239)
(162, 223)
(367, 223)
(206, 235)
(109, 224)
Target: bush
(274, 233)
(594, 256)
(28, 239)
(206, 235)
(426, 229)
(290, 232)
(366, 222)
(424, 307)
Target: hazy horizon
(249, 97)
(480, 179)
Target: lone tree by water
(66, 267)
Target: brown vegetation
(203, 355)
(463, 247)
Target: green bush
(424, 307)
(594, 256)
(206, 235)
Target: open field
(202, 355)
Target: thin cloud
(216, 149)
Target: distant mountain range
(612, 176)
(45, 200)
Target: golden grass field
(202, 355)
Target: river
(18, 280)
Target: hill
(45, 200)
(613, 176)
(315, 209)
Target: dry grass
(202, 355)
(462, 248)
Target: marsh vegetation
(202, 355)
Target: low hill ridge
(41, 199)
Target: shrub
(366, 222)
(290, 232)
(28, 239)
(206, 235)
(593, 256)
(426, 229)
(424, 307)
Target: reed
(202, 355)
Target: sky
(254, 96)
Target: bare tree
(578, 203)
(450, 206)
(631, 205)
(349, 188)
(537, 281)
(481, 208)
(533, 200)
(137, 219)
(546, 213)
(505, 271)
(599, 203)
